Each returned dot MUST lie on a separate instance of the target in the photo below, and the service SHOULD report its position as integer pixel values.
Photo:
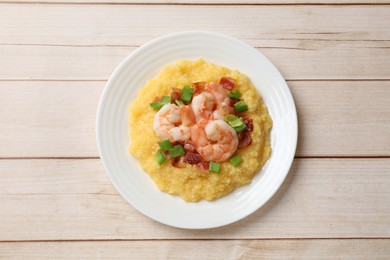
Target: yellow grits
(191, 183)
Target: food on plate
(199, 130)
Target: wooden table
(55, 199)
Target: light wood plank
(49, 118)
(73, 199)
(57, 119)
(207, 2)
(89, 41)
(216, 249)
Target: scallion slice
(165, 145)
(214, 167)
(166, 100)
(240, 106)
(179, 102)
(186, 94)
(236, 122)
(235, 94)
(160, 157)
(236, 160)
(156, 105)
(177, 151)
(230, 117)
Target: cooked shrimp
(174, 123)
(222, 100)
(217, 91)
(203, 106)
(214, 141)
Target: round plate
(113, 139)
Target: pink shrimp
(203, 106)
(214, 141)
(222, 100)
(174, 123)
(212, 104)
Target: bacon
(178, 162)
(189, 147)
(192, 158)
(232, 101)
(175, 94)
(198, 87)
(227, 83)
(248, 122)
(244, 139)
(203, 165)
(157, 99)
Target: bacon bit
(175, 94)
(244, 139)
(178, 162)
(232, 101)
(192, 158)
(203, 165)
(198, 87)
(248, 122)
(227, 83)
(189, 147)
(157, 99)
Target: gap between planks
(191, 239)
(211, 3)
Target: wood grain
(190, 249)
(86, 42)
(73, 199)
(201, 2)
(57, 119)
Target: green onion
(186, 95)
(235, 94)
(214, 167)
(177, 151)
(160, 157)
(159, 104)
(165, 145)
(179, 102)
(240, 107)
(236, 122)
(156, 105)
(230, 117)
(236, 160)
(166, 100)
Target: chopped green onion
(177, 151)
(237, 123)
(230, 117)
(240, 107)
(235, 94)
(165, 145)
(236, 160)
(166, 100)
(186, 95)
(160, 157)
(179, 102)
(156, 105)
(214, 167)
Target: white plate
(136, 186)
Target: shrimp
(222, 100)
(174, 123)
(203, 106)
(217, 91)
(214, 141)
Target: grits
(191, 183)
